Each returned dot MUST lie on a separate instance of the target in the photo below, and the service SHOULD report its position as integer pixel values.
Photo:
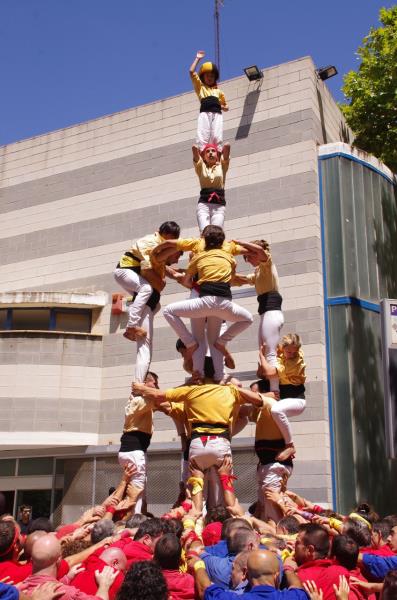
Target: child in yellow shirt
(291, 371)
(212, 103)
(211, 171)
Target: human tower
(210, 407)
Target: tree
(372, 91)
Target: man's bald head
(263, 567)
(30, 540)
(46, 552)
(114, 557)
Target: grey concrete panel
(36, 348)
(281, 193)
(265, 135)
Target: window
(7, 467)
(73, 320)
(35, 466)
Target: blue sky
(68, 61)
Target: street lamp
(326, 72)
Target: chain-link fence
(87, 481)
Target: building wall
(71, 201)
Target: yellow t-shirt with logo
(212, 265)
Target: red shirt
(15, 571)
(180, 585)
(325, 573)
(134, 551)
(86, 582)
(382, 551)
(69, 592)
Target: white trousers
(132, 283)
(271, 477)
(210, 214)
(210, 130)
(215, 309)
(137, 458)
(144, 346)
(270, 324)
(281, 410)
(209, 453)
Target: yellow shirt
(212, 265)
(293, 370)
(209, 403)
(265, 277)
(196, 245)
(211, 177)
(204, 91)
(266, 428)
(139, 415)
(141, 249)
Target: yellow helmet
(207, 67)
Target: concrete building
(70, 203)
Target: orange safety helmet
(207, 67)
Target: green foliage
(372, 92)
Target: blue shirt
(219, 569)
(219, 549)
(259, 592)
(379, 566)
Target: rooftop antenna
(218, 3)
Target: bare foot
(134, 333)
(229, 360)
(288, 452)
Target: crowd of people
(207, 546)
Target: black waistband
(134, 440)
(214, 288)
(212, 196)
(210, 104)
(269, 301)
(209, 430)
(154, 299)
(267, 450)
(287, 390)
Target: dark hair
(217, 514)
(168, 552)
(136, 521)
(7, 535)
(263, 385)
(179, 345)
(41, 524)
(143, 581)
(364, 509)
(389, 591)
(70, 547)
(170, 228)
(214, 70)
(214, 237)
(391, 519)
(345, 551)
(316, 536)
(231, 524)
(290, 524)
(383, 528)
(174, 526)
(209, 370)
(111, 490)
(152, 527)
(358, 531)
(101, 530)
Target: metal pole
(217, 35)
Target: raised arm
(140, 389)
(254, 249)
(200, 54)
(253, 397)
(164, 250)
(196, 154)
